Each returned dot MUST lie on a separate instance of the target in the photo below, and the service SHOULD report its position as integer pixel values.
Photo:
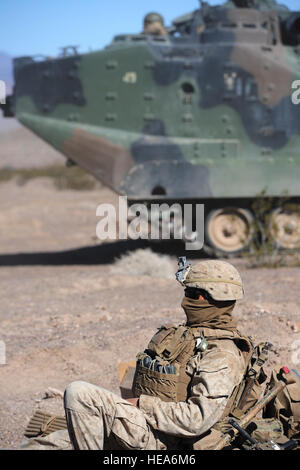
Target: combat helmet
(220, 279)
(153, 18)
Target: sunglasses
(194, 293)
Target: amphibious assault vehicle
(201, 111)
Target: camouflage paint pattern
(205, 113)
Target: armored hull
(202, 113)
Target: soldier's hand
(134, 401)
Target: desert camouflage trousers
(98, 419)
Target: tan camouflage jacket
(214, 374)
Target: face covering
(205, 314)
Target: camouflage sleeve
(214, 378)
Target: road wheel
(229, 230)
(285, 228)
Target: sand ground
(65, 312)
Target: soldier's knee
(82, 396)
(74, 392)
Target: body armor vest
(161, 368)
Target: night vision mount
(183, 269)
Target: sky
(31, 27)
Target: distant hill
(6, 71)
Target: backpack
(286, 405)
(249, 390)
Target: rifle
(269, 445)
(238, 427)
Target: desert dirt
(69, 313)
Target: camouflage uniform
(99, 419)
